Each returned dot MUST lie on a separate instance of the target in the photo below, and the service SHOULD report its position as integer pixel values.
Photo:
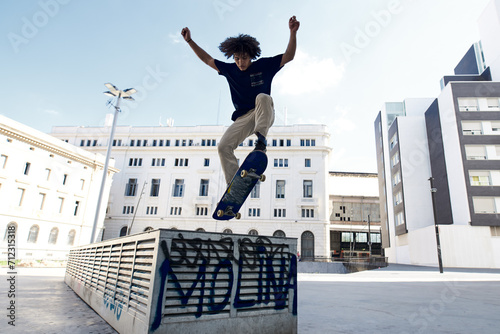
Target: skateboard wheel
(244, 173)
(220, 213)
(262, 178)
(238, 215)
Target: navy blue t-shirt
(246, 85)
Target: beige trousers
(259, 120)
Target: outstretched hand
(186, 33)
(293, 24)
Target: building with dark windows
(170, 177)
(455, 140)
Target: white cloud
(308, 74)
(174, 38)
(51, 112)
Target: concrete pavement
(396, 299)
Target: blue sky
(352, 56)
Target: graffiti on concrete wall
(203, 277)
(114, 306)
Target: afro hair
(240, 44)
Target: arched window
(11, 229)
(279, 233)
(71, 237)
(200, 229)
(173, 228)
(253, 232)
(149, 228)
(53, 236)
(307, 246)
(123, 231)
(227, 231)
(33, 234)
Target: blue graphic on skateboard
(250, 172)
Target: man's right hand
(186, 33)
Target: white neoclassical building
(170, 177)
(48, 191)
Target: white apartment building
(170, 177)
(455, 139)
(47, 189)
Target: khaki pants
(259, 120)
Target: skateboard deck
(250, 172)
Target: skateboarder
(250, 85)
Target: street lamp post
(436, 226)
(119, 94)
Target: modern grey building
(454, 139)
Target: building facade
(453, 141)
(170, 177)
(354, 215)
(46, 191)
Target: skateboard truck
(251, 173)
(228, 212)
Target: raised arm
(289, 54)
(205, 57)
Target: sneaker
(260, 144)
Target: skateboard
(250, 172)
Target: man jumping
(250, 85)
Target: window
(65, 178)
(71, 238)
(27, 168)
(139, 142)
(480, 178)
(472, 128)
(160, 142)
(307, 163)
(255, 191)
(475, 152)
(132, 142)
(128, 209)
(175, 211)
(395, 159)
(288, 142)
(485, 205)
(77, 207)
(61, 204)
(155, 142)
(308, 188)
(207, 162)
(400, 219)
(227, 231)
(254, 212)
(181, 162)
(158, 162)
(202, 211)
(279, 234)
(178, 188)
(3, 161)
(20, 196)
(155, 187)
(493, 104)
(151, 210)
(117, 142)
(135, 162)
(467, 104)
(398, 198)
(394, 141)
(280, 189)
(204, 187)
(53, 236)
(396, 179)
(361, 237)
(131, 187)
(41, 197)
(280, 162)
(253, 232)
(33, 234)
(307, 213)
(279, 213)
(123, 231)
(347, 237)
